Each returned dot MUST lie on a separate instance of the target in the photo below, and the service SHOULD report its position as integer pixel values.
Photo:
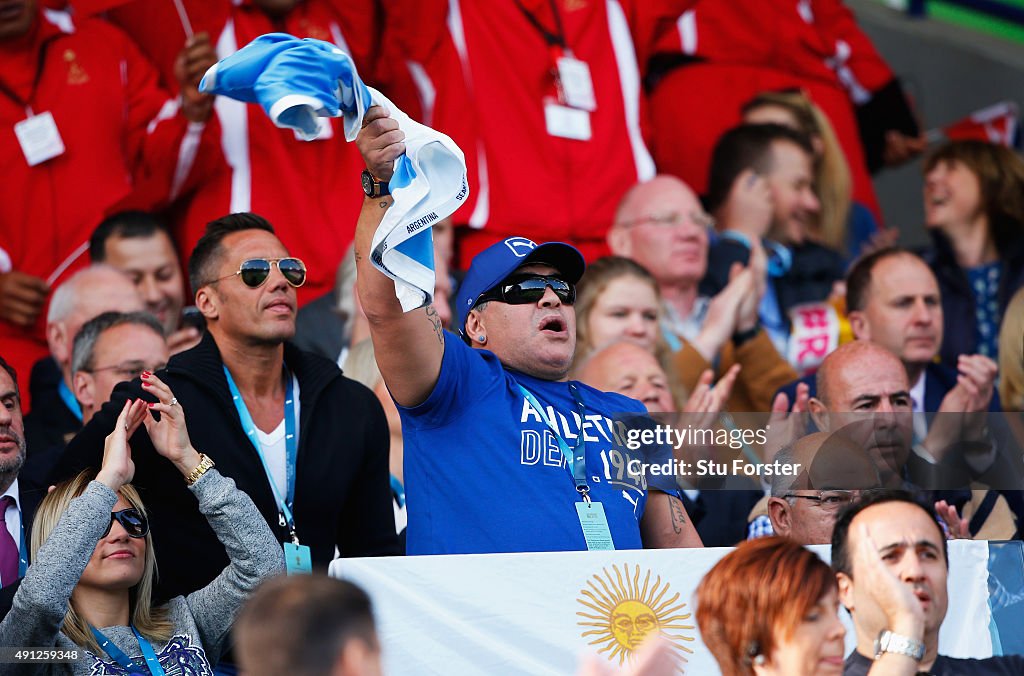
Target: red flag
(995, 124)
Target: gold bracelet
(205, 463)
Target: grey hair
(65, 297)
(84, 347)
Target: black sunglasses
(134, 523)
(255, 271)
(530, 288)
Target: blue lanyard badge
(116, 654)
(297, 557)
(591, 514)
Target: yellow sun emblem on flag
(623, 612)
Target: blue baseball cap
(500, 260)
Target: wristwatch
(741, 337)
(205, 464)
(889, 642)
(373, 186)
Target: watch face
(368, 186)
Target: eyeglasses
(255, 271)
(128, 370)
(132, 520)
(525, 289)
(830, 501)
(672, 219)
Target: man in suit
(19, 493)
(892, 299)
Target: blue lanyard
(22, 551)
(284, 512)
(780, 258)
(577, 457)
(118, 655)
(69, 399)
(398, 491)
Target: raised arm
(253, 551)
(42, 599)
(408, 345)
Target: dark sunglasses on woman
(134, 523)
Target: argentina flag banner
(296, 81)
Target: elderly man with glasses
(110, 349)
(833, 472)
(309, 445)
(502, 452)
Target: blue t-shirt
(483, 473)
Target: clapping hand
(903, 611)
(118, 468)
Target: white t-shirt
(274, 449)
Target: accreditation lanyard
(116, 654)
(284, 511)
(576, 458)
(22, 552)
(69, 400)
(593, 520)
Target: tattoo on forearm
(359, 256)
(435, 320)
(385, 205)
(678, 515)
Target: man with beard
(19, 493)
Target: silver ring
(126, 427)
(174, 400)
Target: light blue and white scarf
(297, 81)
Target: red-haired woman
(770, 608)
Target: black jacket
(342, 494)
(815, 269)
(958, 304)
(50, 424)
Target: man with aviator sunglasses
(307, 444)
(502, 453)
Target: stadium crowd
(670, 221)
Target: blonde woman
(87, 593)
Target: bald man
(629, 369)
(661, 225)
(56, 416)
(862, 390)
(862, 378)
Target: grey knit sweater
(202, 620)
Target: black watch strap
(373, 186)
(741, 337)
